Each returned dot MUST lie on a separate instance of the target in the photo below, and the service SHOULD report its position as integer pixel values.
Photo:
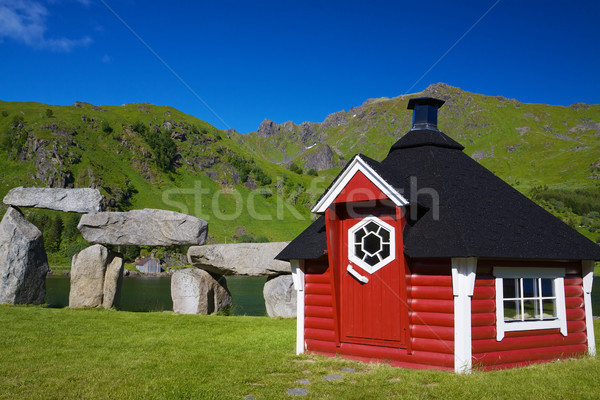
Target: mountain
(525, 144)
(260, 186)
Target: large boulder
(195, 291)
(280, 297)
(248, 259)
(23, 261)
(95, 273)
(70, 200)
(113, 280)
(147, 227)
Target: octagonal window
(371, 244)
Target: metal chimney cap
(425, 101)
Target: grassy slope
(89, 354)
(114, 163)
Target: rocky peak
(267, 128)
(307, 132)
(439, 91)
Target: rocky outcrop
(195, 291)
(267, 128)
(335, 119)
(320, 159)
(147, 227)
(23, 261)
(68, 200)
(94, 273)
(308, 132)
(280, 297)
(247, 259)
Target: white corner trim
(297, 274)
(463, 276)
(463, 284)
(298, 278)
(587, 267)
(358, 164)
(557, 274)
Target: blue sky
(234, 63)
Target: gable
(358, 174)
(359, 188)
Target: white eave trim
(358, 164)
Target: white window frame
(558, 277)
(382, 263)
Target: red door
(371, 304)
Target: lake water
(151, 293)
(154, 294)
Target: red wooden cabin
(428, 260)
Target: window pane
(528, 287)
(510, 288)
(547, 288)
(358, 235)
(512, 310)
(531, 309)
(372, 227)
(371, 243)
(371, 260)
(385, 251)
(358, 251)
(385, 235)
(549, 307)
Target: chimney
(425, 113)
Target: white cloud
(25, 21)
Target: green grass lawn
(61, 353)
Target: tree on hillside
(294, 168)
(106, 128)
(70, 232)
(53, 234)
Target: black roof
(477, 213)
(309, 245)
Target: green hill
(526, 144)
(141, 155)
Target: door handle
(359, 277)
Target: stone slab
(147, 227)
(81, 201)
(245, 259)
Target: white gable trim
(358, 164)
